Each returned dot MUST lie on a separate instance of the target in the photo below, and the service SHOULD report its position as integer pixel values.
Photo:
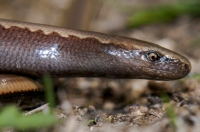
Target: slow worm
(34, 50)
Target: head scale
(158, 63)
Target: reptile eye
(153, 56)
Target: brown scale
(13, 83)
(35, 53)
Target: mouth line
(176, 70)
(183, 73)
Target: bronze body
(35, 50)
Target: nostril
(186, 66)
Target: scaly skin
(33, 49)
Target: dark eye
(153, 56)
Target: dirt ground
(93, 104)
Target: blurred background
(174, 24)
